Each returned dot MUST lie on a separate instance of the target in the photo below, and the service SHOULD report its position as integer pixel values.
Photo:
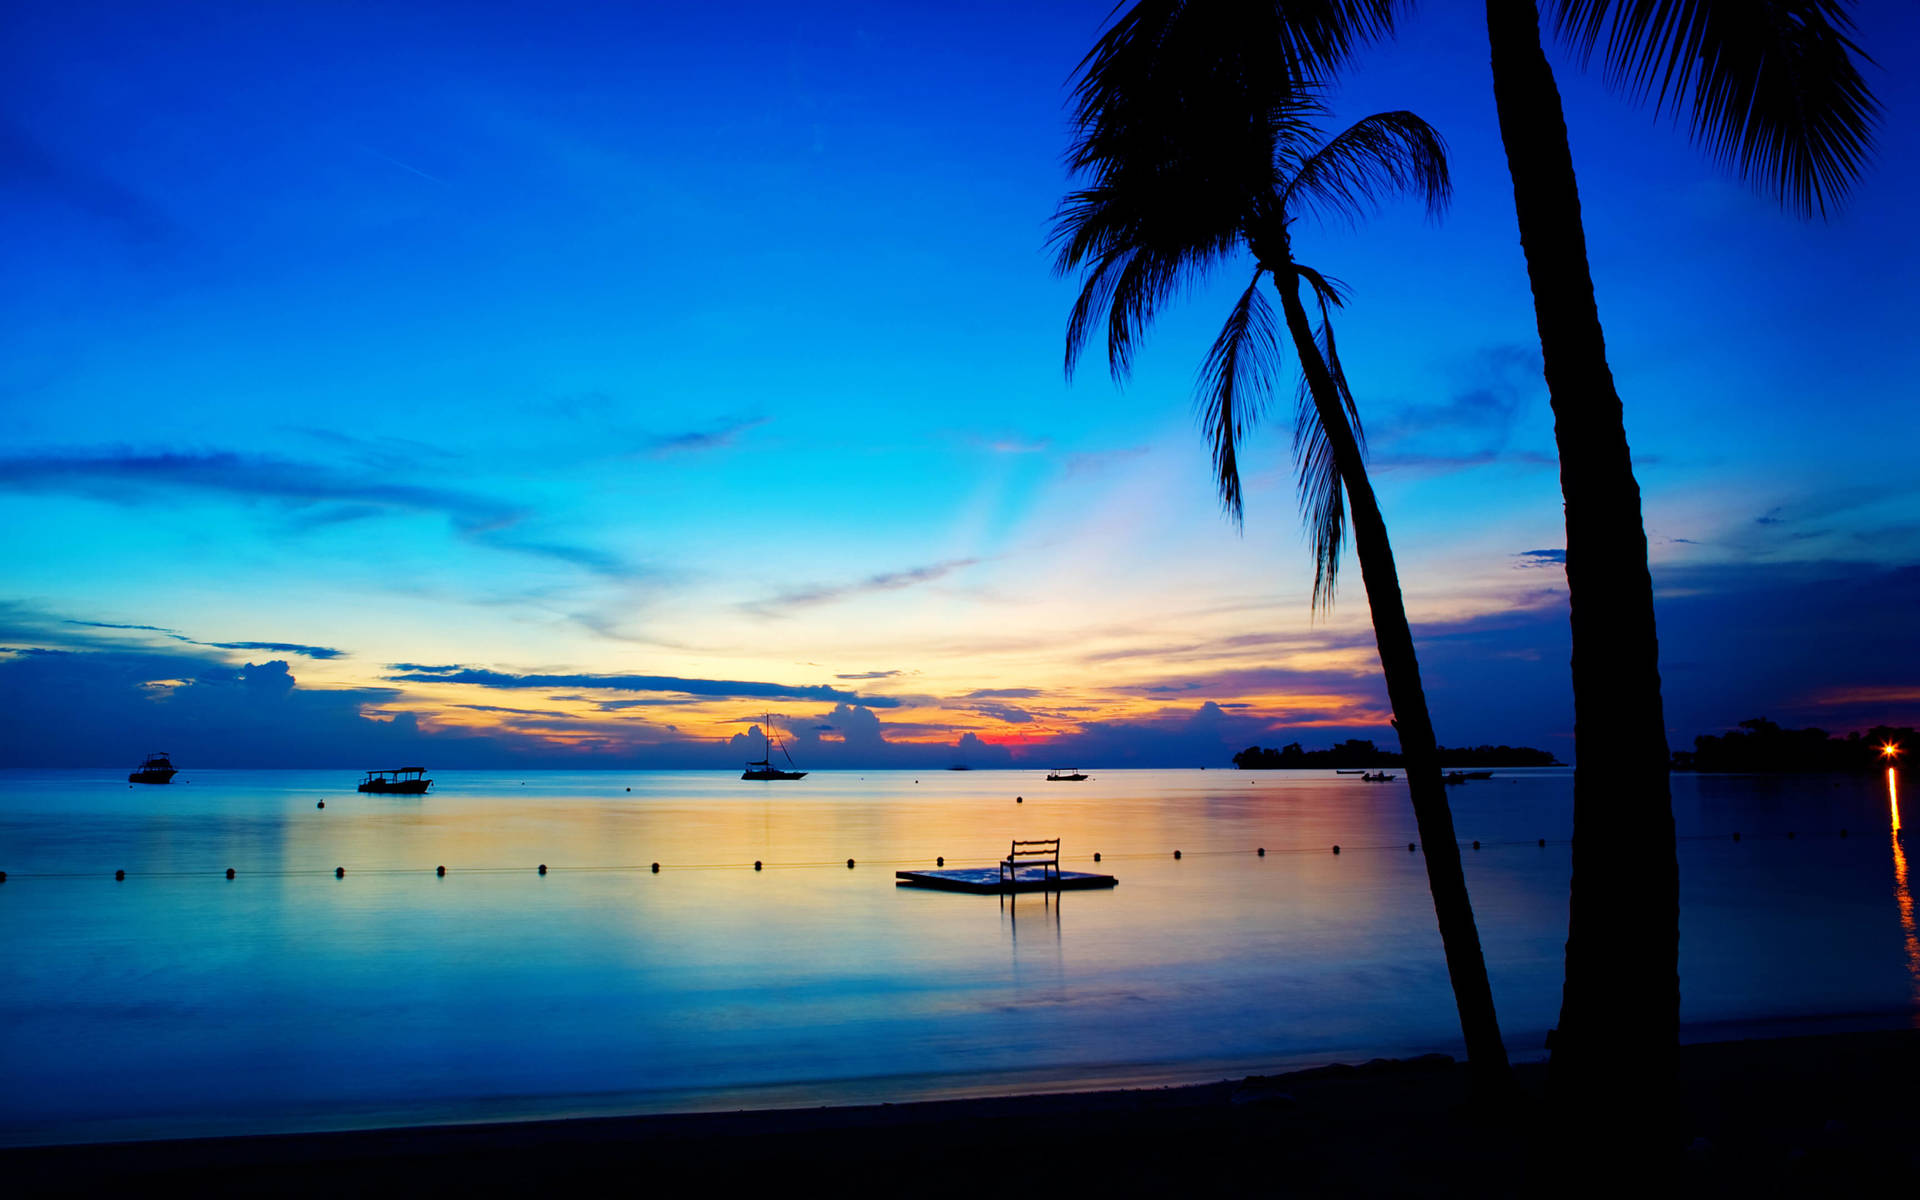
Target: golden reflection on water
(1903, 894)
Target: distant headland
(1759, 745)
(1359, 752)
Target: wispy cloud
(268, 647)
(126, 477)
(887, 581)
(870, 675)
(1541, 558)
(676, 685)
(694, 441)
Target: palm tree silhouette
(1167, 201)
(1770, 88)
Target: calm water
(180, 1002)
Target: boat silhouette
(157, 769)
(400, 781)
(763, 767)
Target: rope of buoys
(340, 872)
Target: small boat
(959, 767)
(1379, 777)
(400, 781)
(1345, 771)
(1074, 776)
(763, 768)
(157, 769)
(1476, 774)
(1454, 777)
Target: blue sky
(720, 343)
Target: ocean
(177, 1002)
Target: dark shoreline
(1786, 1114)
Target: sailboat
(764, 768)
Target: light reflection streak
(1903, 894)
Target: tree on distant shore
(1196, 156)
(1360, 752)
(1759, 745)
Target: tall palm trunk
(1619, 1014)
(1459, 936)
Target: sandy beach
(1781, 1116)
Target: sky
(591, 385)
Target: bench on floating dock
(1007, 877)
(1043, 854)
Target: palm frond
(1317, 473)
(1236, 384)
(1389, 152)
(1771, 88)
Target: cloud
(888, 581)
(275, 648)
(267, 647)
(128, 477)
(1012, 693)
(730, 688)
(1090, 462)
(695, 441)
(1541, 558)
(870, 675)
(1770, 517)
(28, 165)
(1474, 424)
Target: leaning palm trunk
(1459, 936)
(1619, 1014)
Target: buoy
(543, 868)
(1409, 847)
(119, 875)
(1843, 832)
(339, 872)
(656, 868)
(1176, 854)
(1789, 835)
(229, 872)
(1543, 841)
(850, 861)
(3, 876)
(1016, 799)
(322, 804)
(1336, 849)
(1476, 843)
(941, 861)
(440, 871)
(1096, 856)
(629, 789)
(1736, 835)
(756, 864)
(1262, 852)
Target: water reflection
(1903, 895)
(1050, 904)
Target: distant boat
(1345, 771)
(1379, 777)
(400, 781)
(959, 767)
(763, 768)
(1074, 776)
(1454, 777)
(155, 770)
(1476, 774)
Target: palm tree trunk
(1615, 1048)
(1459, 936)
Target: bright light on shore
(1888, 750)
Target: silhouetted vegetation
(1759, 745)
(1361, 752)
(1194, 135)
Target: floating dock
(987, 880)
